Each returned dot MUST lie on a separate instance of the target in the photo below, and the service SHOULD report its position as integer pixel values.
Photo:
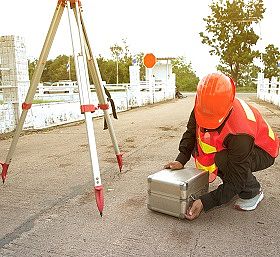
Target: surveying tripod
(84, 61)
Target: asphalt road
(48, 208)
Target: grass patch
(246, 89)
(45, 101)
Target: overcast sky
(163, 27)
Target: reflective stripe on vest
(210, 168)
(205, 147)
(270, 132)
(249, 113)
(250, 116)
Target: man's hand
(175, 165)
(194, 211)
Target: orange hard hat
(214, 100)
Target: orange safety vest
(243, 119)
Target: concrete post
(273, 90)
(260, 86)
(15, 78)
(135, 95)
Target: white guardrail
(268, 90)
(72, 87)
(59, 104)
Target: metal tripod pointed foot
(120, 161)
(5, 167)
(99, 197)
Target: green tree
(107, 69)
(186, 79)
(249, 74)
(46, 76)
(31, 67)
(72, 69)
(271, 58)
(55, 70)
(123, 59)
(230, 34)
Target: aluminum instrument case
(169, 191)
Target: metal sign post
(149, 62)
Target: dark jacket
(235, 165)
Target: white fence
(124, 94)
(268, 90)
(61, 108)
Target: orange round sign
(150, 60)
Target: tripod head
(72, 3)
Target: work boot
(248, 204)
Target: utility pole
(116, 52)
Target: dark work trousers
(260, 160)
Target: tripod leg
(86, 104)
(96, 77)
(34, 83)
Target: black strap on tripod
(109, 98)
